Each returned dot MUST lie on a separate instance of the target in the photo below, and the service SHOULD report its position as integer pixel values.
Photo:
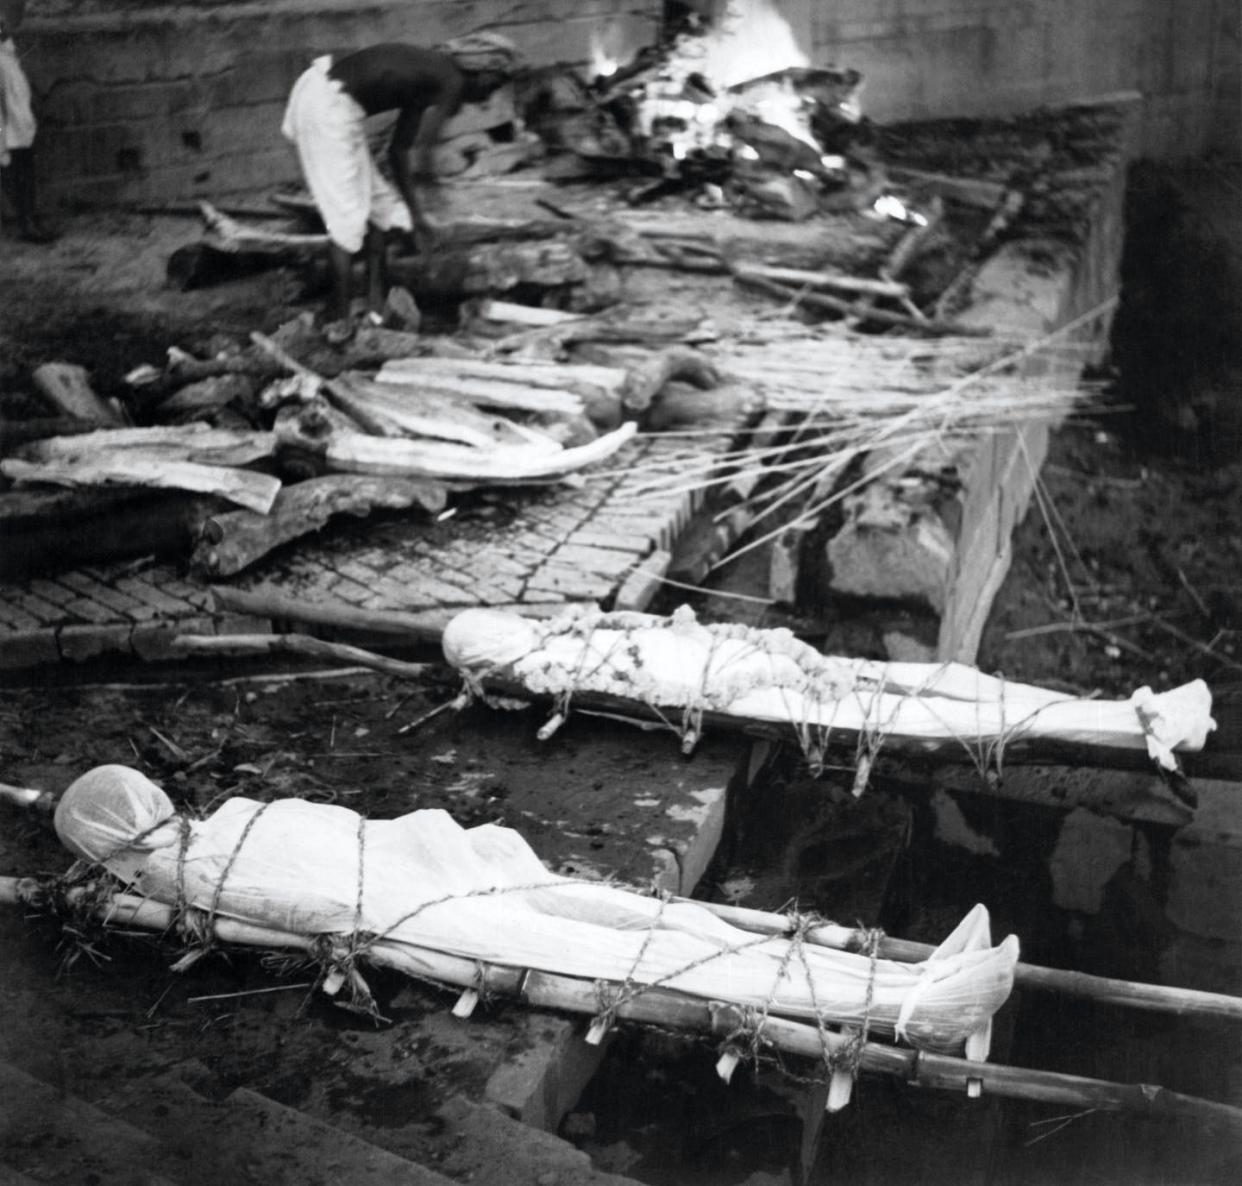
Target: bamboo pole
(671, 1009)
(296, 644)
(421, 626)
(1106, 990)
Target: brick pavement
(540, 547)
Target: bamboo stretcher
(685, 674)
(206, 912)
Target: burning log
(233, 541)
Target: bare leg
(22, 189)
(377, 269)
(342, 282)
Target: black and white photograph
(620, 592)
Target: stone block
(22, 649)
(639, 588)
(1205, 865)
(80, 643)
(891, 547)
(1089, 850)
(539, 1085)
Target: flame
(603, 63)
(748, 40)
(888, 206)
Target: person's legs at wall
(19, 178)
(377, 269)
(338, 327)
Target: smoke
(748, 39)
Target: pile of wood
(264, 443)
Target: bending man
(17, 128)
(325, 120)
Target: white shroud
(771, 676)
(422, 881)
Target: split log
(807, 278)
(390, 410)
(169, 442)
(233, 541)
(48, 530)
(14, 433)
(360, 453)
(545, 388)
(122, 468)
(385, 410)
(67, 388)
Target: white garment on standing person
(17, 121)
(327, 125)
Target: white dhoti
(327, 125)
(17, 121)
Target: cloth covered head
(108, 810)
(479, 53)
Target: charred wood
(232, 541)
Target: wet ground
(1126, 572)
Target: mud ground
(1126, 572)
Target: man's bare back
(392, 76)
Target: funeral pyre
(783, 143)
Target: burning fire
(888, 206)
(731, 103)
(748, 40)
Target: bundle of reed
(849, 396)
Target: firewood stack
(273, 438)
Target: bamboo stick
(419, 626)
(1106, 990)
(819, 300)
(295, 644)
(671, 1009)
(855, 285)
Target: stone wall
(933, 58)
(156, 102)
(150, 102)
